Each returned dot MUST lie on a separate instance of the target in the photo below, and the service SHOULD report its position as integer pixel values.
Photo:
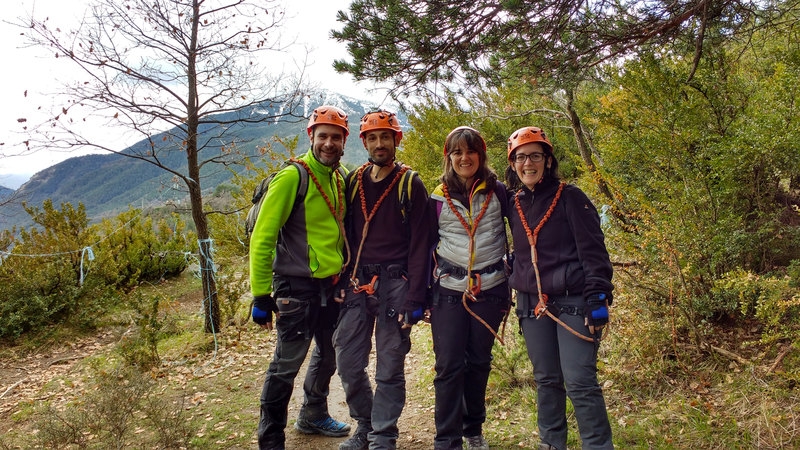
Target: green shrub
(64, 271)
(511, 366)
(140, 349)
(774, 300)
(739, 291)
(134, 249)
(793, 272)
(122, 409)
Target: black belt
(453, 299)
(571, 310)
(527, 301)
(394, 270)
(460, 272)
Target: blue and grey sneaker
(327, 426)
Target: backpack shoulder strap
(404, 193)
(261, 189)
(302, 188)
(403, 190)
(351, 183)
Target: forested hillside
(107, 184)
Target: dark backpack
(260, 192)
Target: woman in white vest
(470, 294)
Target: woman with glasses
(562, 275)
(470, 293)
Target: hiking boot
(357, 441)
(327, 426)
(477, 443)
(265, 443)
(546, 446)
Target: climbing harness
(541, 308)
(473, 288)
(369, 288)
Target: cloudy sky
(38, 73)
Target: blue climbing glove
(596, 311)
(413, 314)
(263, 307)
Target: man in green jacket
(296, 255)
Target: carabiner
(368, 288)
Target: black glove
(263, 307)
(413, 314)
(596, 311)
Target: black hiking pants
(302, 318)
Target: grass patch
(203, 393)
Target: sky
(30, 74)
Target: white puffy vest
(453, 246)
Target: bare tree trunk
(210, 301)
(210, 304)
(583, 145)
(618, 210)
(121, 48)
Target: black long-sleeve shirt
(389, 240)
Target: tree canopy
(418, 44)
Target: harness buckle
(474, 286)
(468, 295)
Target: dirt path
(54, 373)
(416, 423)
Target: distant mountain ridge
(13, 181)
(107, 184)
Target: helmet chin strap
(386, 164)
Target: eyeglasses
(534, 157)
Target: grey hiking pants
(565, 365)
(375, 412)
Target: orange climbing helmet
(380, 120)
(526, 135)
(330, 115)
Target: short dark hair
(512, 180)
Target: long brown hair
(473, 141)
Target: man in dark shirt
(386, 283)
